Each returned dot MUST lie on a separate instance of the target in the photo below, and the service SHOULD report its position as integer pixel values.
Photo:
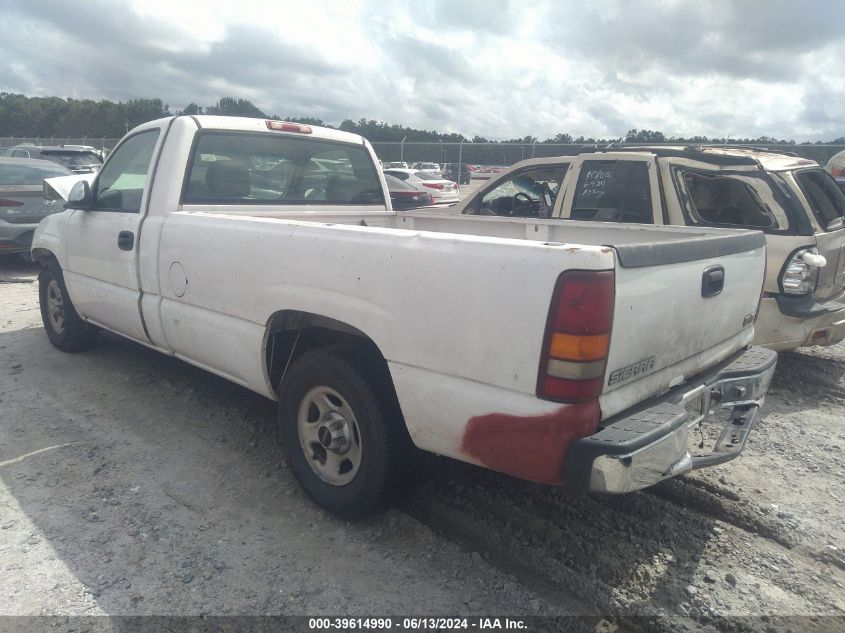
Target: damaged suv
(796, 203)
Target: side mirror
(80, 196)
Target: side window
(729, 199)
(613, 191)
(823, 194)
(523, 195)
(120, 184)
(248, 168)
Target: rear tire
(343, 434)
(65, 328)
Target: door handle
(712, 281)
(125, 240)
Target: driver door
(101, 268)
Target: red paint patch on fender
(530, 447)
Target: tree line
(50, 117)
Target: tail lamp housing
(798, 276)
(577, 338)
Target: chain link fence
(505, 154)
(486, 154)
(95, 142)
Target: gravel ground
(132, 483)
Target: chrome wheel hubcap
(329, 435)
(55, 307)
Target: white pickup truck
(268, 253)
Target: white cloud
(498, 69)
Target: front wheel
(65, 328)
(342, 433)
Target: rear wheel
(65, 328)
(342, 433)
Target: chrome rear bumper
(639, 448)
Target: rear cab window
(246, 168)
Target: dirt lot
(133, 483)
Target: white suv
(795, 202)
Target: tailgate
(679, 309)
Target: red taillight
(284, 126)
(567, 390)
(10, 203)
(577, 338)
(584, 302)
(430, 198)
(433, 185)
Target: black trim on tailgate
(698, 247)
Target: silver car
(22, 201)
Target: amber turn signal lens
(574, 347)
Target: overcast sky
(498, 69)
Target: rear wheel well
(291, 333)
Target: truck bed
(636, 245)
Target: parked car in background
(396, 165)
(795, 202)
(405, 195)
(89, 148)
(836, 165)
(432, 168)
(22, 202)
(79, 159)
(443, 191)
(485, 172)
(457, 172)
